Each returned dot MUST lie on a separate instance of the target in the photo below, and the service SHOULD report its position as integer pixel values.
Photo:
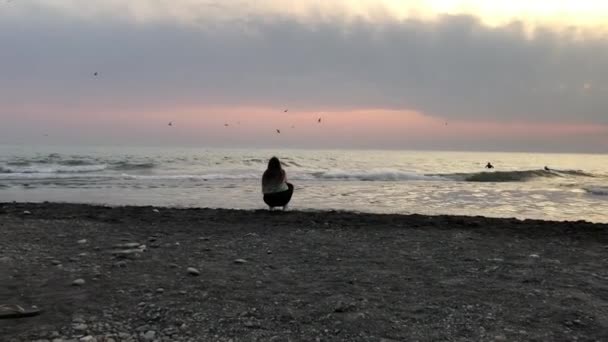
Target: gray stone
(88, 338)
(150, 335)
(55, 262)
(80, 326)
(240, 261)
(27, 212)
(160, 290)
(78, 282)
(83, 241)
(193, 271)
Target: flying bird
(278, 131)
(95, 73)
(226, 125)
(170, 123)
(286, 110)
(319, 121)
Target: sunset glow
(383, 73)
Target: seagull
(279, 131)
(293, 126)
(95, 73)
(170, 123)
(226, 125)
(319, 121)
(286, 110)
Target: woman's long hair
(274, 172)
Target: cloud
(453, 67)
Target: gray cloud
(453, 68)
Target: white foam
(51, 169)
(376, 175)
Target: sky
(516, 75)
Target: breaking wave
(514, 176)
(373, 175)
(597, 190)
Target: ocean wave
(76, 162)
(373, 175)
(597, 190)
(51, 169)
(514, 176)
(125, 166)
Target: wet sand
(298, 276)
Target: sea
(575, 186)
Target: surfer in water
(489, 166)
(277, 192)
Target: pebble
(78, 282)
(173, 265)
(55, 262)
(156, 210)
(160, 290)
(83, 241)
(500, 338)
(193, 271)
(26, 212)
(240, 261)
(80, 326)
(88, 339)
(121, 264)
(182, 292)
(150, 335)
(534, 256)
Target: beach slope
(298, 276)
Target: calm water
(370, 181)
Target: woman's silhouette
(277, 192)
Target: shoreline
(298, 275)
(46, 205)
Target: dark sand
(317, 276)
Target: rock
(173, 265)
(128, 245)
(268, 252)
(182, 292)
(26, 212)
(240, 261)
(88, 338)
(121, 264)
(193, 271)
(149, 336)
(55, 262)
(343, 306)
(78, 319)
(83, 241)
(78, 282)
(124, 336)
(252, 324)
(80, 327)
(160, 290)
(500, 338)
(156, 210)
(534, 256)
(5, 259)
(72, 259)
